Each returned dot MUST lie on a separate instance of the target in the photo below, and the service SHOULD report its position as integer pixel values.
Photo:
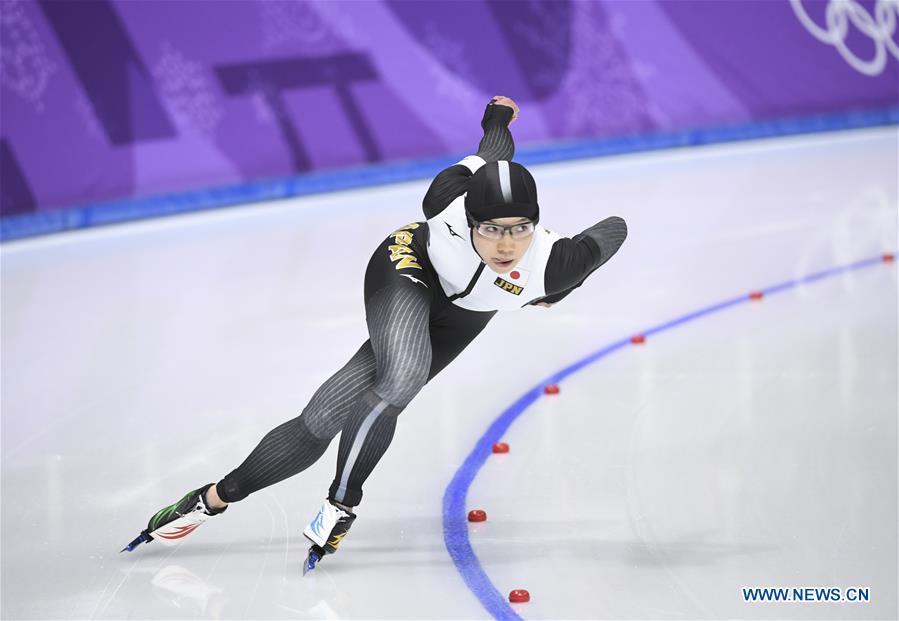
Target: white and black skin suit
(428, 294)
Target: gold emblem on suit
(505, 285)
(400, 250)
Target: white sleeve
(472, 163)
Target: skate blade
(312, 558)
(144, 537)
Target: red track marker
(639, 339)
(756, 295)
(500, 447)
(551, 389)
(519, 596)
(476, 515)
(889, 257)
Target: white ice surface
(755, 447)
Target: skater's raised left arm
(573, 260)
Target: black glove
(496, 114)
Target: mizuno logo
(414, 279)
(452, 232)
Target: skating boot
(326, 531)
(176, 521)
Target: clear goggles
(496, 231)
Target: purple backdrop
(103, 100)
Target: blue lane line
(455, 524)
(189, 201)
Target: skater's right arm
(497, 144)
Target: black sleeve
(496, 144)
(571, 261)
(446, 187)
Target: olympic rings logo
(879, 27)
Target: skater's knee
(399, 388)
(320, 423)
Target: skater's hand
(499, 100)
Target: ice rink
(750, 447)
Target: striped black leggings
(414, 333)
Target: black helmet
(500, 190)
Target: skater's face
(503, 253)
